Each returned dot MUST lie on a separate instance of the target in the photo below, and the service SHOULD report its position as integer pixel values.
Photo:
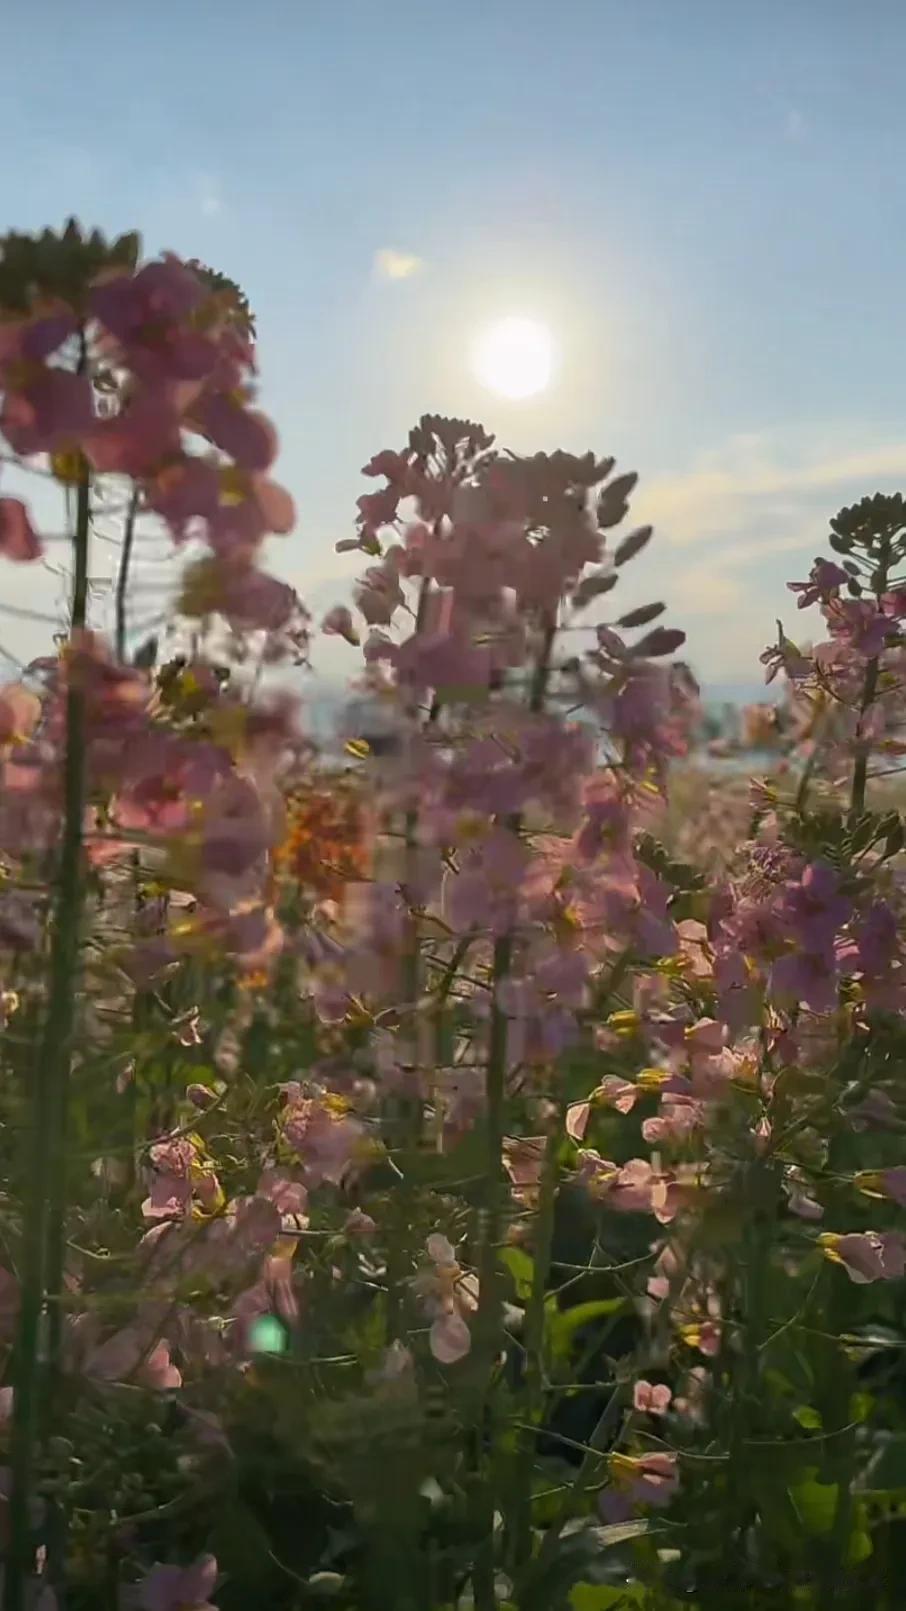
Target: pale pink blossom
(651, 1398)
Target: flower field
(469, 1174)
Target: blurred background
(696, 209)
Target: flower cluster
(479, 1143)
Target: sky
(704, 200)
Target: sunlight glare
(514, 357)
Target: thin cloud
(794, 126)
(210, 200)
(704, 591)
(392, 264)
(727, 523)
(708, 502)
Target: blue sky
(704, 199)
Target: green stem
(869, 692)
(527, 1586)
(744, 1371)
(38, 1334)
(860, 770)
(74, 795)
(490, 1305)
(490, 1300)
(534, 1345)
(122, 580)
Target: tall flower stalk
(38, 1342)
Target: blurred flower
(647, 1479)
(18, 539)
(448, 1295)
(866, 1255)
(179, 1588)
(651, 1398)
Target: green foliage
(60, 264)
(608, 1597)
(563, 1325)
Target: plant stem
(122, 580)
(535, 1569)
(534, 1344)
(490, 1306)
(487, 1320)
(489, 1290)
(38, 1337)
(869, 691)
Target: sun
(514, 357)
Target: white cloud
(726, 524)
(748, 475)
(704, 590)
(392, 264)
(794, 125)
(210, 200)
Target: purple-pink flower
(179, 1588)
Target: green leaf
(859, 1548)
(808, 1417)
(562, 1324)
(606, 1596)
(816, 1504)
(521, 1268)
(860, 1406)
(619, 1532)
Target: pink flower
(577, 1117)
(245, 434)
(288, 1196)
(323, 1133)
(148, 316)
(136, 440)
(234, 827)
(651, 1398)
(616, 1093)
(692, 1403)
(647, 1479)
(38, 337)
(825, 581)
(448, 1295)
(239, 507)
(338, 622)
(20, 712)
(379, 594)
(162, 780)
(523, 1157)
(179, 1588)
(679, 1118)
(485, 893)
(866, 1255)
(611, 1093)
(387, 463)
(246, 597)
(813, 909)
(449, 1338)
(131, 1353)
(18, 539)
(806, 976)
(889, 1183)
(51, 409)
(158, 1370)
(598, 1174)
